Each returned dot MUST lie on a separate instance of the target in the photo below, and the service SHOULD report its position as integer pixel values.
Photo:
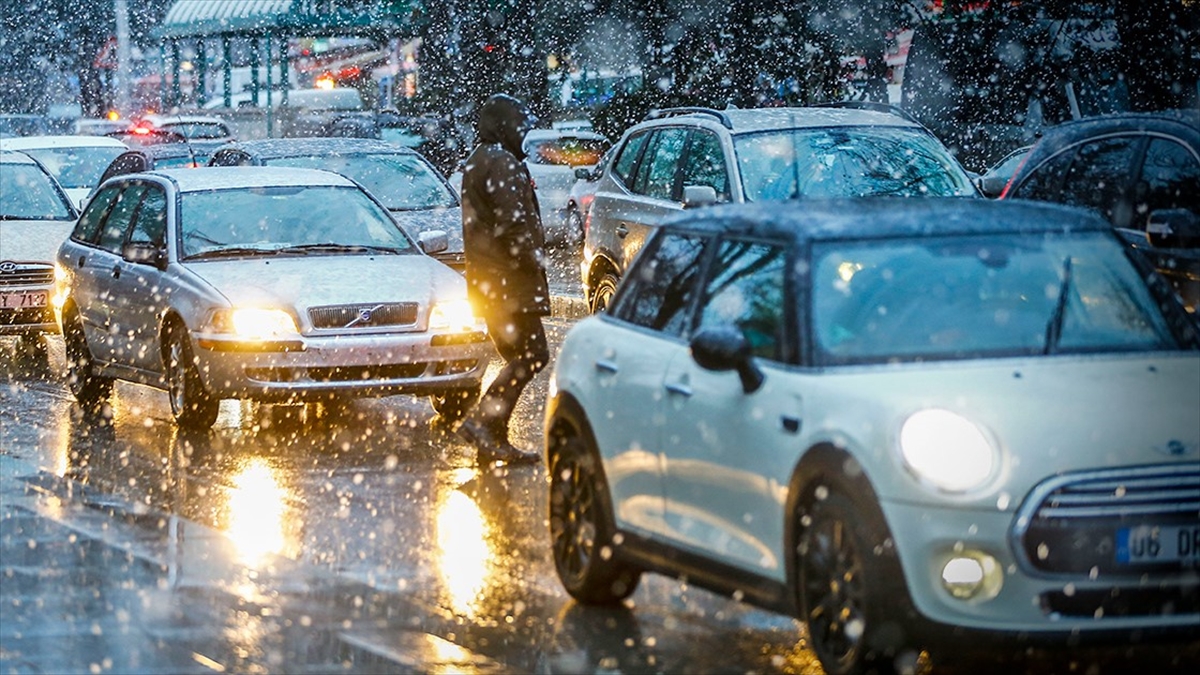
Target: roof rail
(869, 105)
(660, 113)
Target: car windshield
(980, 296)
(78, 167)
(28, 194)
(403, 182)
(274, 220)
(566, 151)
(847, 162)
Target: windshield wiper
(1055, 326)
(232, 252)
(331, 247)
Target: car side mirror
(1173, 228)
(584, 173)
(723, 348)
(145, 253)
(698, 195)
(433, 241)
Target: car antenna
(186, 140)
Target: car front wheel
(603, 295)
(581, 531)
(850, 586)
(192, 405)
(89, 389)
(453, 405)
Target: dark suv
(685, 157)
(1141, 171)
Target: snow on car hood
(1046, 415)
(318, 280)
(32, 240)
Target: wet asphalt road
(358, 538)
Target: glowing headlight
(254, 323)
(452, 315)
(947, 450)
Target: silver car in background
(278, 285)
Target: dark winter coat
(502, 231)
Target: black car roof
(1182, 123)
(804, 221)
(271, 148)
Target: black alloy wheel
(192, 406)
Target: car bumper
(1034, 605)
(372, 365)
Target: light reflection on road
(464, 556)
(256, 508)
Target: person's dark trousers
(520, 340)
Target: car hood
(32, 240)
(316, 281)
(1045, 415)
(448, 219)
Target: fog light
(972, 575)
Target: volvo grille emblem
(364, 315)
(8, 267)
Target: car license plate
(1158, 544)
(22, 299)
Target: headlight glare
(452, 315)
(254, 323)
(947, 450)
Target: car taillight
(1009, 184)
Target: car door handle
(606, 366)
(116, 272)
(677, 388)
(622, 231)
(82, 260)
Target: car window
(656, 176)
(566, 151)
(244, 221)
(847, 162)
(112, 234)
(89, 223)
(705, 164)
(198, 130)
(1099, 177)
(126, 163)
(662, 284)
(27, 193)
(981, 296)
(78, 167)
(1045, 180)
(402, 182)
(230, 158)
(150, 224)
(627, 162)
(747, 290)
(1170, 177)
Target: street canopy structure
(267, 25)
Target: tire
(573, 233)
(454, 405)
(192, 405)
(605, 290)
(581, 529)
(852, 593)
(91, 391)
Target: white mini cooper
(896, 419)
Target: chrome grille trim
(387, 315)
(28, 275)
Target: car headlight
(947, 450)
(452, 315)
(254, 323)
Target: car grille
(364, 315)
(26, 275)
(1070, 523)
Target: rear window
(566, 151)
(78, 167)
(847, 162)
(27, 193)
(401, 182)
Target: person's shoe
(477, 434)
(508, 454)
